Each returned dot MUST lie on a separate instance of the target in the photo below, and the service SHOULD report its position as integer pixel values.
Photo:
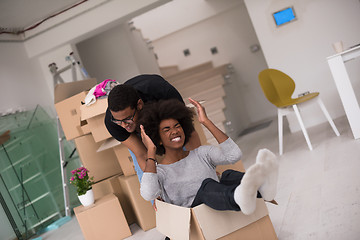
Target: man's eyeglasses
(126, 120)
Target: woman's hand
(200, 110)
(147, 140)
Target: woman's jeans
(220, 195)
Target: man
(124, 103)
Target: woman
(188, 178)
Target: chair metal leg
(280, 130)
(327, 115)
(296, 110)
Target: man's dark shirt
(150, 88)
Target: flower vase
(87, 199)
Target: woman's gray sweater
(178, 183)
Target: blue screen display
(284, 16)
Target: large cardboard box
(144, 211)
(68, 112)
(112, 185)
(203, 222)
(67, 98)
(94, 115)
(238, 166)
(102, 164)
(122, 154)
(103, 220)
(261, 229)
(63, 91)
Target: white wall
(108, 55)
(84, 21)
(178, 14)
(300, 48)
(22, 82)
(117, 54)
(143, 54)
(57, 56)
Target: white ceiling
(20, 14)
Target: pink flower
(82, 169)
(72, 179)
(73, 172)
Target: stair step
(189, 71)
(208, 134)
(207, 95)
(214, 105)
(202, 82)
(201, 75)
(195, 88)
(168, 71)
(217, 116)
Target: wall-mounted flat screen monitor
(284, 16)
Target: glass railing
(30, 176)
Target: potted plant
(81, 180)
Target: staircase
(202, 82)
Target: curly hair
(121, 97)
(153, 113)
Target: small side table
(344, 87)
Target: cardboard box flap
(173, 221)
(108, 143)
(97, 108)
(69, 89)
(215, 224)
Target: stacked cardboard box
(103, 220)
(68, 97)
(116, 184)
(143, 210)
(94, 115)
(102, 164)
(126, 186)
(112, 186)
(122, 154)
